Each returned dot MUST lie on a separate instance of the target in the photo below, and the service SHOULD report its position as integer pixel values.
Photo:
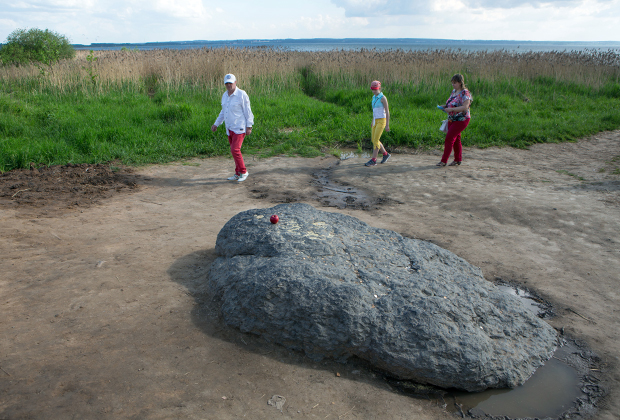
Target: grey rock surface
(332, 286)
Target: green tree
(35, 46)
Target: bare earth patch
(103, 313)
(50, 190)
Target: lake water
(407, 44)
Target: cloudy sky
(88, 21)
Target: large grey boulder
(333, 286)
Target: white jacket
(236, 112)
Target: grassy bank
(158, 106)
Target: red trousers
(453, 140)
(236, 140)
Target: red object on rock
(274, 219)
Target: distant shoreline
(327, 44)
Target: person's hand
(214, 128)
(248, 130)
(387, 127)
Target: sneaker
(371, 162)
(243, 177)
(235, 177)
(385, 158)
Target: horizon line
(347, 39)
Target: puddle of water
(335, 195)
(551, 391)
(532, 303)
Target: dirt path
(100, 313)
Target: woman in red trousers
(457, 107)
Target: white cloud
(544, 22)
(52, 5)
(325, 23)
(182, 8)
(372, 8)
(511, 4)
(88, 21)
(447, 6)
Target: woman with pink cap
(380, 121)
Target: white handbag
(444, 126)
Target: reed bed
(591, 68)
(204, 68)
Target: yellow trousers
(377, 130)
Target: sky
(137, 21)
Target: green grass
(517, 113)
(49, 126)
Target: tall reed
(205, 67)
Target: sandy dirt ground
(103, 312)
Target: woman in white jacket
(237, 114)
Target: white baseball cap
(230, 78)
